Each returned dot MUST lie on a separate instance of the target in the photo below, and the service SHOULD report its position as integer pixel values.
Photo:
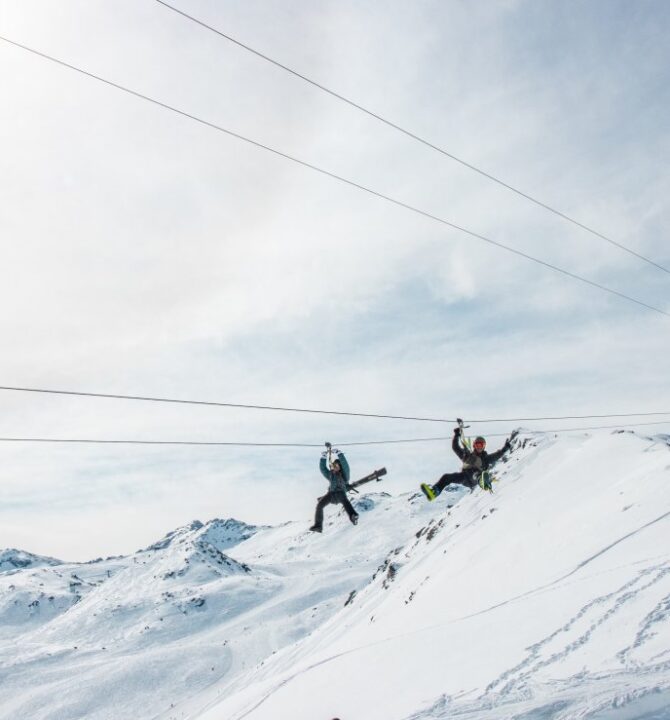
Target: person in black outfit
(338, 478)
(475, 462)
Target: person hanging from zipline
(335, 468)
(476, 463)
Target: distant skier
(338, 477)
(475, 462)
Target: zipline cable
(142, 398)
(92, 441)
(339, 178)
(416, 137)
(243, 406)
(208, 443)
(522, 431)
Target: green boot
(428, 491)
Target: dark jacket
(338, 481)
(475, 463)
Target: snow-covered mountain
(548, 599)
(11, 559)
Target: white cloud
(145, 254)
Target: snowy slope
(135, 636)
(550, 598)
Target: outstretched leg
(432, 491)
(318, 515)
(459, 478)
(353, 515)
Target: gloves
(324, 454)
(457, 431)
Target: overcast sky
(146, 254)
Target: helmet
(479, 443)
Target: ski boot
(429, 491)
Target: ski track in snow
(610, 604)
(616, 542)
(561, 579)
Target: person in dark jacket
(338, 478)
(475, 462)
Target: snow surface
(548, 599)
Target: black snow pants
(465, 477)
(336, 498)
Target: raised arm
(494, 457)
(345, 466)
(323, 466)
(456, 444)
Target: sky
(147, 254)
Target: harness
(476, 465)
